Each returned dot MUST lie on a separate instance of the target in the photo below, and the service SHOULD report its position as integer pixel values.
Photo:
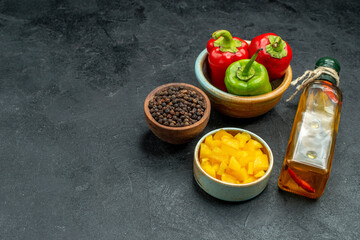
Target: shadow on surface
(292, 105)
(295, 197)
(219, 119)
(152, 145)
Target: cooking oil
(310, 151)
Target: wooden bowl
(177, 135)
(238, 106)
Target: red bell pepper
(223, 49)
(275, 56)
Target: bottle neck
(328, 78)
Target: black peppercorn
(177, 107)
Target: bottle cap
(330, 63)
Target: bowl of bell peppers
(244, 79)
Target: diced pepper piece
(243, 138)
(211, 142)
(208, 140)
(204, 160)
(241, 175)
(221, 133)
(205, 151)
(205, 163)
(261, 163)
(234, 164)
(231, 151)
(258, 152)
(219, 158)
(250, 179)
(216, 143)
(252, 145)
(218, 155)
(246, 135)
(251, 168)
(208, 168)
(260, 174)
(218, 151)
(244, 173)
(222, 168)
(247, 156)
(216, 166)
(231, 142)
(228, 178)
(257, 144)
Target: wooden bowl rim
(239, 99)
(189, 86)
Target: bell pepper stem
(276, 45)
(253, 58)
(248, 72)
(225, 41)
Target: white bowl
(228, 191)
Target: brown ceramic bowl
(177, 135)
(239, 106)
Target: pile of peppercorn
(177, 107)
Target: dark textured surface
(77, 160)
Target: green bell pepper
(247, 77)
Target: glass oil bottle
(310, 151)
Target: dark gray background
(77, 159)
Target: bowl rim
(152, 93)
(239, 185)
(234, 98)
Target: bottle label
(315, 134)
